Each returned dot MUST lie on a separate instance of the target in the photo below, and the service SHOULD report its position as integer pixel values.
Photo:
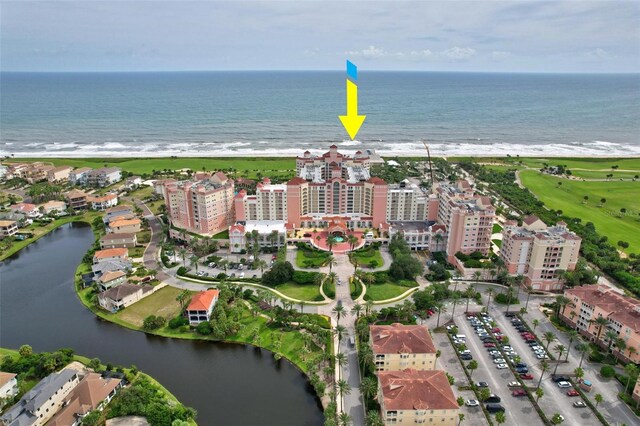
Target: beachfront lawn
(600, 164)
(243, 166)
(609, 221)
(366, 256)
(161, 303)
(307, 292)
(311, 258)
(388, 290)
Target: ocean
(283, 113)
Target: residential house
(59, 174)
(53, 207)
(102, 203)
(79, 176)
(122, 211)
(111, 279)
(92, 393)
(104, 176)
(412, 396)
(123, 295)
(158, 185)
(37, 172)
(118, 240)
(4, 170)
(8, 228)
(77, 199)
(110, 254)
(125, 226)
(201, 306)
(110, 265)
(590, 302)
(8, 386)
(38, 405)
(31, 210)
(132, 182)
(398, 347)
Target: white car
(542, 356)
(501, 366)
(513, 384)
(465, 352)
(564, 384)
(471, 403)
(241, 275)
(499, 361)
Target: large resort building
(539, 252)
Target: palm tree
(341, 360)
(357, 310)
(345, 419)
(573, 334)
(182, 298)
(473, 365)
(369, 387)
(365, 356)
(332, 277)
(460, 418)
(471, 291)
(548, 337)
(338, 311)
(632, 372)
(598, 399)
(373, 419)
(343, 388)
(583, 348)
(193, 260)
(544, 364)
(611, 336)
(223, 264)
(331, 262)
(477, 275)
(340, 330)
(455, 297)
(441, 309)
(560, 350)
(632, 351)
(561, 301)
(183, 253)
(535, 323)
(331, 241)
(600, 322)
(260, 263)
(489, 293)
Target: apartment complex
(590, 302)
(417, 397)
(467, 216)
(269, 203)
(202, 206)
(538, 252)
(398, 347)
(103, 176)
(267, 233)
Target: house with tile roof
(105, 266)
(110, 254)
(103, 202)
(8, 386)
(411, 396)
(118, 240)
(92, 393)
(111, 279)
(37, 406)
(8, 228)
(589, 302)
(53, 206)
(77, 199)
(123, 295)
(398, 347)
(79, 176)
(121, 211)
(126, 226)
(201, 306)
(31, 210)
(59, 174)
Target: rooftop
(114, 252)
(416, 390)
(620, 308)
(124, 222)
(397, 338)
(203, 300)
(122, 236)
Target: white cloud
(598, 54)
(498, 55)
(458, 53)
(311, 52)
(421, 53)
(369, 52)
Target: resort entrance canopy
(337, 227)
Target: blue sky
(522, 36)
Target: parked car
(466, 357)
(513, 384)
(501, 366)
(471, 403)
(521, 365)
(522, 370)
(482, 384)
(559, 378)
(498, 361)
(519, 392)
(564, 384)
(579, 404)
(526, 376)
(494, 408)
(489, 345)
(492, 399)
(573, 392)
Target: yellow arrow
(352, 121)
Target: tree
(573, 334)
(473, 365)
(343, 388)
(583, 348)
(501, 417)
(455, 299)
(373, 419)
(544, 364)
(369, 387)
(357, 310)
(579, 373)
(340, 330)
(94, 364)
(632, 375)
(556, 419)
(441, 309)
(182, 297)
(598, 399)
(548, 337)
(485, 393)
(585, 198)
(331, 241)
(539, 393)
(600, 322)
(460, 418)
(535, 323)
(183, 254)
(477, 275)
(345, 419)
(611, 337)
(338, 311)
(602, 201)
(331, 261)
(25, 351)
(561, 301)
(560, 349)
(489, 294)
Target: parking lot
(516, 408)
(233, 269)
(555, 399)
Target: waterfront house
(123, 295)
(38, 405)
(111, 254)
(398, 347)
(122, 211)
(53, 207)
(118, 240)
(411, 396)
(31, 210)
(8, 386)
(125, 226)
(201, 306)
(92, 393)
(111, 279)
(110, 265)
(79, 176)
(104, 176)
(102, 203)
(8, 228)
(77, 199)
(59, 174)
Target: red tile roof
(5, 378)
(623, 309)
(203, 300)
(114, 252)
(398, 338)
(531, 219)
(24, 207)
(296, 181)
(416, 390)
(376, 180)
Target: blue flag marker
(352, 71)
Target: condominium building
(201, 206)
(59, 174)
(417, 397)
(398, 347)
(269, 203)
(467, 216)
(104, 176)
(590, 302)
(268, 233)
(79, 176)
(539, 252)
(406, 201)
(421, 235)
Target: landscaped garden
(388, 290)
(309, 257)
(308, 292)
(367, 256)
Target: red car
(498, 337)
(526, 376)
(519, 392)
(573, 392)
(489, 345)
(495, 330)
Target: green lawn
(162, 303)
(377, 292)
(142, 193)
(309, 292)
(136, 251)
(249, 167)
(596, 174)
(318, 259)
(585, 163)
(364, 260)
(608, 219)
(497, 243)
(496, 229)
(224, 235)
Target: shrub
(607, 371)
(504, 299)
(303, 277)
(153, 322)
(204, 328)
(182, 270)
(177, 322)
(279, 274)
(329, 289)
